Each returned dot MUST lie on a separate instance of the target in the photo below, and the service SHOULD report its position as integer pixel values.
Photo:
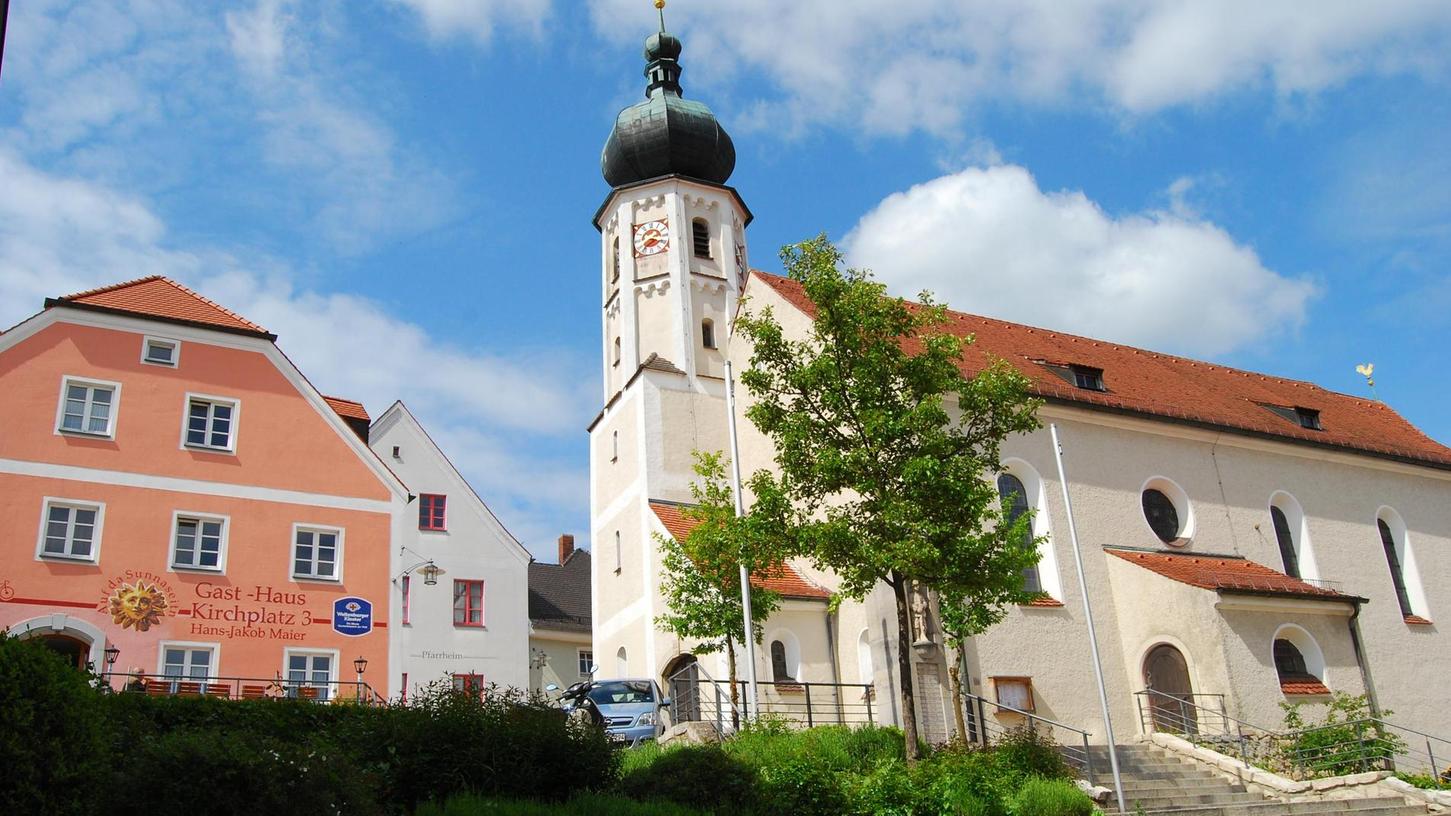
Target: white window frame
(581, 664)
(175, 345)
(189, 645)
(337, 577)
(232, 402)
(331, 688)
(69, 380)
(1048, 578)
(176, 517)
(83, 504)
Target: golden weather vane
(1367, 370)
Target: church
(1246, 540)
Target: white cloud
(507, 420)
(989, 241)
(898, 67)
(477, 19)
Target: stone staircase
(1158, 782)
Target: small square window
(1087, 377)
(468, 603)
(88, 407)
(160, 351)
(71, 530)
(317, 553)
(1014, 692)
(198, 543)
(186, 661)
(211, 423)
(586, 659)
(310, 674)
(431, 511)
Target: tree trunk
(904, 666)
(958, 700)
(735, 697)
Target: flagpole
(1118, 786)
(745, 575)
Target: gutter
(1360, 660)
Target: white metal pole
(745, 576)
(1118, 786)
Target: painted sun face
(138, 606)
(651, 237)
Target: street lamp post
(360, 665)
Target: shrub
(1050, 797)
(700, 776)
(586, 805)
(50, 732)
(886, 789)
(1028, 752)
(1346, 742)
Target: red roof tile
(1303, 686)
(1225, 573)
(161, 298)
(346, 408)
(1417, 620)
(1044, 601)
(780, 578)
(1177, 388)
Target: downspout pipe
(1362, 662)
(831, 650)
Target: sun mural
(140, 605)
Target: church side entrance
(1172, 707)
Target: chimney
(566, 547)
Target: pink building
(174, 494)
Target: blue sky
(402, 190)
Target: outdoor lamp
(360, 665)
(111, 654)
(431, 571)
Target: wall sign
(352, 616)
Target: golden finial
(660, 7)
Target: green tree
(880, 479)
(701, 578)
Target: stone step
(1270, 807)
(1150, 786)
(1167, 800)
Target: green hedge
(67, 748)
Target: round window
(1162, 515)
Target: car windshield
(627, 691)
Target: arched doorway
(682, 683)
(1171, 698)
(73, 650)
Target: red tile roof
(1176, 388)
(1417, 620)
(1307, 685)
(163, 299)
(780, 578)
(1225, 573)
(1044, 601)
(347, 409)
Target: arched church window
(614, 446)
(619, 554)
(779, 671)
(1015, 495)
(622, 663)
(615, 260)
(707, 333)
(1393, 549)
(1289, 663)
(1286, 541)
(617, 352)
(700, 233)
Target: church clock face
(651, 238)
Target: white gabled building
(468, 621)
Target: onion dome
(666, 134)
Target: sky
(402, 189)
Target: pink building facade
(178, 501)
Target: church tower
(672, 266)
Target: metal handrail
(976, 708)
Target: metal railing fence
(1333, 749)
(695, 696)
(988, 722)
(242, 688)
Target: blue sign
(352, 616)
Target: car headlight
(648, 718)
